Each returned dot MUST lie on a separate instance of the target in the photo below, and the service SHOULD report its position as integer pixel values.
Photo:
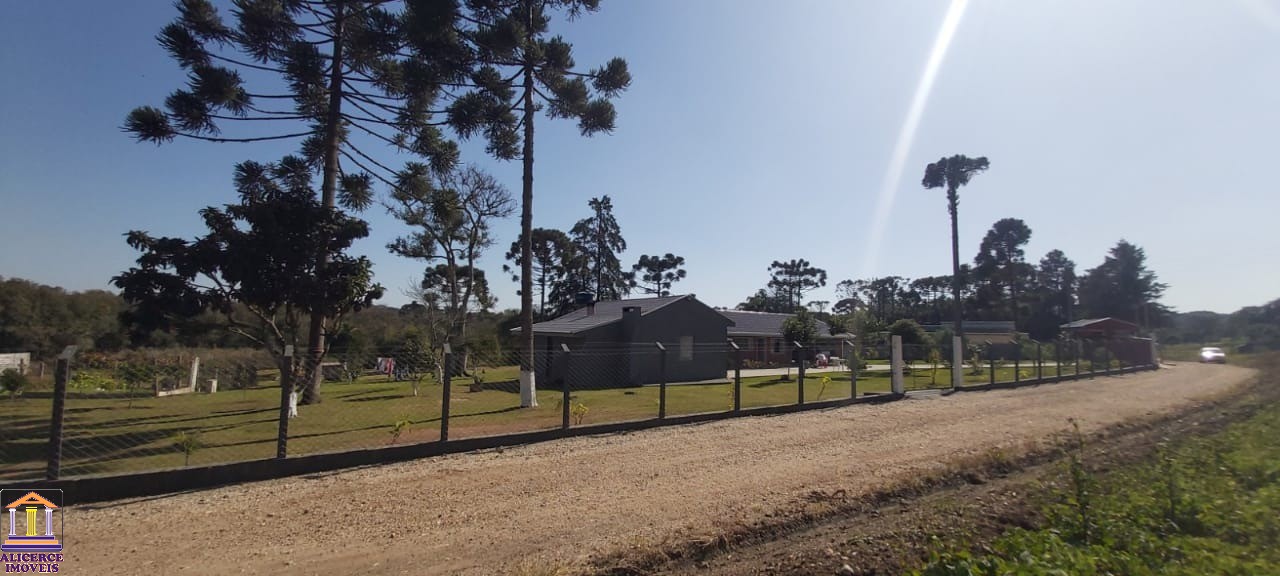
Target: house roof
(606, 312)
(976, 327)
(1100, 325)
(763, 323)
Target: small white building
(18, 361)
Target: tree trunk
(958, 307)
(1013, 302)
(328, 189)
(542, 295)
(528, 387)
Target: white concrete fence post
(195, 373)
(957, 361)
(896, 365)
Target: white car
(1211, 354)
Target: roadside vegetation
(1203, 505)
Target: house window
(777, 346)
(686, 347)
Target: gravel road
(561, 502)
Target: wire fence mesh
(143, 411)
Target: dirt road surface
(563, 503)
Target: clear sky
(755, 130)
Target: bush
(13, 382)
(912, 334)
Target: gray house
(612, 343)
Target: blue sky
(754, 131)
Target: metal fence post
(1017, 363)
(286, 396)
(895, 365)
(1039, 361)
(61, 375)
(1057, 357)
(853, 369)
(957, 362)
(737, 376)
(662, 384)
(991, 362)
(1076, 347)
(446, 392)
(1106, 358)
(799, 354)
(565, 400)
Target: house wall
(623, 353)
(704, 360)
(549, 361)
(1131, 351)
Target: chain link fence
(146, 411)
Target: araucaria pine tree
(526, 69)
(337, 76)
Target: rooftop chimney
(586, 299)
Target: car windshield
(1210, 350)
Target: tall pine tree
(599, 241)
(1122, 287)
(525, 70)
(655, 274)
(333, 69)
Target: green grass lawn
(112, 435)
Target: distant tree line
(1256, 327)
(1000, 284)
(43, 319)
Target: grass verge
(1201, 505)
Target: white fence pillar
(957, 361)
(896, 365)
(195, 372)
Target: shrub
(579, 413)
(13, 382)
(187, 443)
(398, 428)
(911, 332)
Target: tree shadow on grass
(377, 398)
(378, 390)
(769, 383)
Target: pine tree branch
(256, 139)
(377, 135)
(364, 78)
(579, 74)
(549, 99)
(369, 118)
(271, 96)
(322, 16)
(225, 117)
(357, 95)
(373, 117)
(245, 64)
(370, 160)
(370, 171)
(361, 96)
(273, 112)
